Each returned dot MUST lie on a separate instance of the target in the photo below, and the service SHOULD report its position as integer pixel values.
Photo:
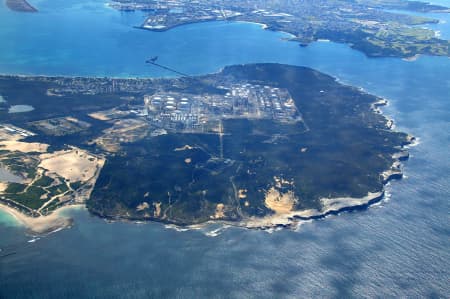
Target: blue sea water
(398, 248)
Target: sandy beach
(412, 58)
(42, 224)
(263, 26)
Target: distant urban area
(375, 27)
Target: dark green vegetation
(339, 150)
(44, 181)
(368, 26)
(27, 196)
(346, 147)
(31, 195)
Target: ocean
(396, 248)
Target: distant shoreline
(20, 6)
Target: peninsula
(257, 145)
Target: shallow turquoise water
(7, 220)
(398, 248)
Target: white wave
(176, 228)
